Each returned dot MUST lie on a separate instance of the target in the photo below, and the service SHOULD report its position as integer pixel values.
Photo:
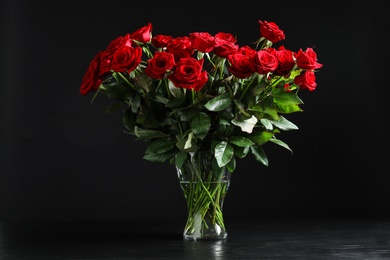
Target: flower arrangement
(202, 92)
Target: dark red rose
(115, 47)
(224, 48)
(179, 43)
(286, 61)
(229, 37)
(126, 59)
(264, 62)
(104, 62)
(91, 80)
(188, 74)
(240, 65)
(143, 34)
(307, 60)
(248, 51)
(161, 41)
(160, 64)
(306, 80)
(271, 31)
(119, 43)
(183, 53)
(202, 41)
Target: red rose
(271, 31)
(115, 47)
(126, 59)
(224, 48)
(179, 54)
(248, 51)
(264, 62)
(179, 43)
(240, 65)
(307, 60)
(91, 80)
(118, 43)
(161, 41)
(306, 80)
(202, 41)
(285, 61)
(226, 37)
(104, 62)
(143, 34)
(160, 64)
(188, 74)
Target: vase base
(205, 238)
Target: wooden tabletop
(250, 239)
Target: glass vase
(204, 192)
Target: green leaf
(271, 112)
(261, 138)
(285, 98)
(265, 108)
(281, 143)
(286, 102)
(200, 125)
(187, 114)
(221, 129)
(240, 107)
(160, 145)
(267, 123)
(148, 134)
(176, 92)
(284, 124)
(135, 103)
(231, 166)
(259, 154)
(180, 158)
(162, 157)
(161, 99)
(241, 152)
(147, 119)
(219, 102)
(294, 73)
(288, 109)
(186, 145)
(246, 125)
(223, 153)
(176, 102)
(144, 82)
(129, 120)
(225, 117)
(217, 171)
(113, 107)
(240, 141)
(116, 89)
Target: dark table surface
(256, 239)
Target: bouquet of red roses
(203, 92)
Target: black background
(62, 159)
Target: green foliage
(229, 122)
